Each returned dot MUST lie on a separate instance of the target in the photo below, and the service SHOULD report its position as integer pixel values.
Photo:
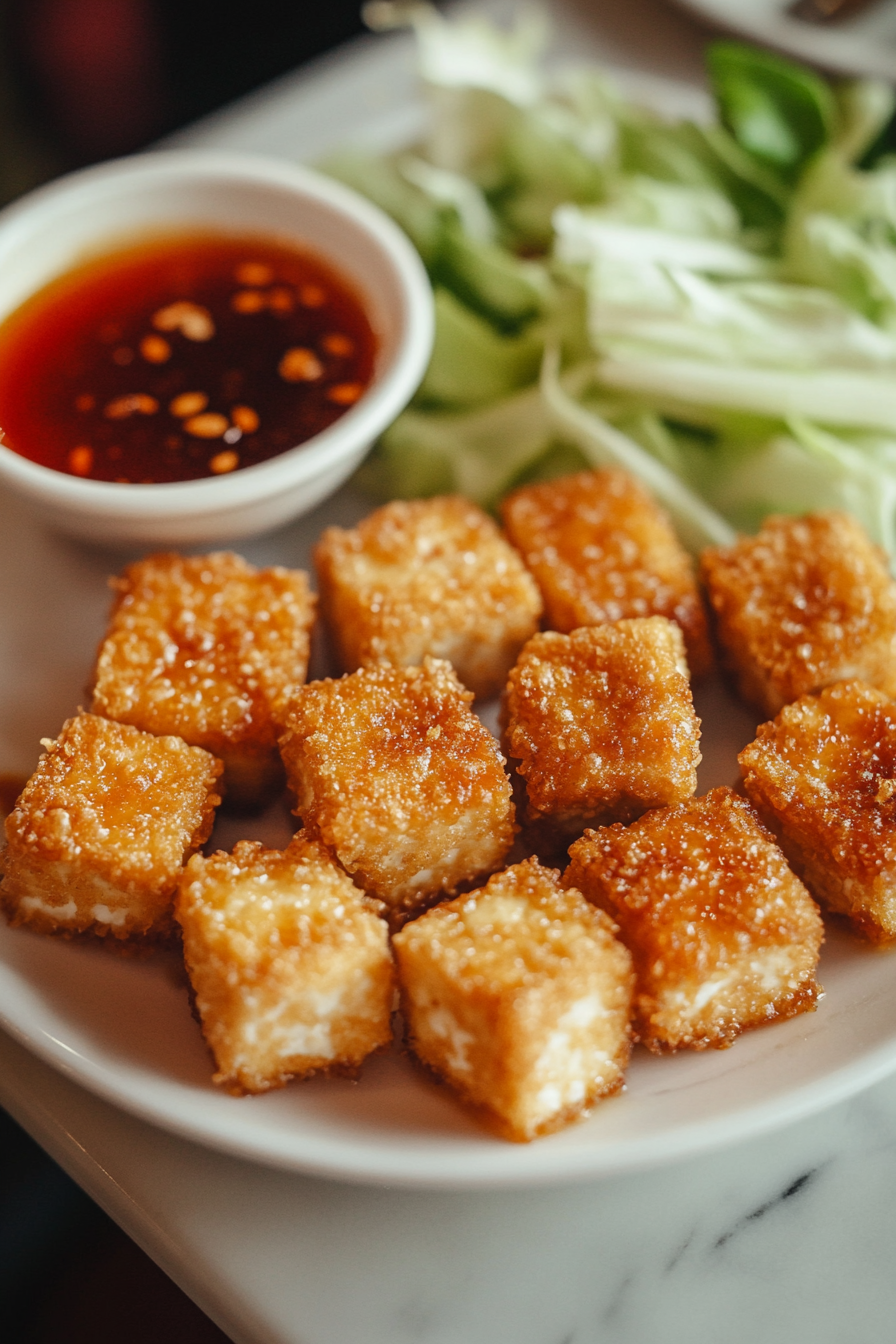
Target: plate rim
(441, 1164)
(835, 49)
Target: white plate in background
(863, 45)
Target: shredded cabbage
(712, 307)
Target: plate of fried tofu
(421, 846)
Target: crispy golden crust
(518, 996)
(289, 962)
(102, 829)
(208, 648)
(723, 935)
(807, 602)
(823, 774)
(601, 550)
(601, 723)
(400, 780)
(427, 576)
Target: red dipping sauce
(186, 356)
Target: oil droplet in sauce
(177, 359)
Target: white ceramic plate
(863, 45)
(123, 1028)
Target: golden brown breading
(602, 550)
(289, 962)
(823, 774)
(518, 996)
(724, 936)
(99, 835)
(400, 780)
(601, 723)
(208, 648)
(807, 602)
(427, 576)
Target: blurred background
(84, 80)
(81, 81)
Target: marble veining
(784, 1239)
(793, 1188)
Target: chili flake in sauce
(186, 356)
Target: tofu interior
(289, 962)
(518, 996)
(724, 936)
(101, 830)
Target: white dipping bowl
(100, 210)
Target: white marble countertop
(786, 1238)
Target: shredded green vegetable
(711, 306)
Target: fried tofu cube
(518, 997)
(289, 962)
(97, 839)
(394, 773)
(427, 576)
(601, 549)
(723, 935)
(807, 602)
(601, 723)
(209, 648)
(823, 775)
